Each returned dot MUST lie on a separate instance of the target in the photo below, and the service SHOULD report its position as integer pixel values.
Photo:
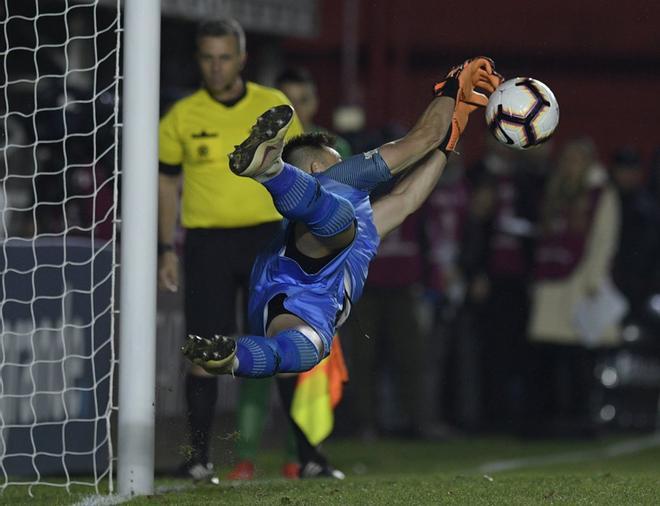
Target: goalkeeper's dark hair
(295, 75)
(300, 149)
(221, 28)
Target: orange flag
(317, 393)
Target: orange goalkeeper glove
(462, 80)
(460, 84)
(457, 126)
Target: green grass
(601, 472)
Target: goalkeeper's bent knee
(296, 351)
(292, 350)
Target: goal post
(137, 350)
(64, 112)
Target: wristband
(164, 247)
(447, 88)
(443, 145)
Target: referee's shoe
(320, 470)
(260, 155)
(198, 472)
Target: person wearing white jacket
(574, 307)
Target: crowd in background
(490, 280)
(58, 171)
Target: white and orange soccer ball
(522, 113)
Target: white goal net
(58, 215)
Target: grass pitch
(614, 471)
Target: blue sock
(300, 197)
(257, 357)
(287, 351)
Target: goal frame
(139, 228)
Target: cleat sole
(267, 132)
(215, 355)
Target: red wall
(601, 58)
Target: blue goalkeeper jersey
(322, 299)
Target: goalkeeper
(303, 286)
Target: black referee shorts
(217, 263)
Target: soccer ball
(522, 113)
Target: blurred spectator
(464, 396)
(578, 233)
(412, 280)
(299, 87)
(638, 254)
(386, 332)
(16, 167)
(498, 258)
(74, 188)
(445, 221)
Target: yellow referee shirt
(198, 133)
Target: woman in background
(577, 239)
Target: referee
(228, 219)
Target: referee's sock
(306, 452)
(300, 197)
(201, 396)
(287, 351)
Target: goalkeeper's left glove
(457, 126)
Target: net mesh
(58, 215)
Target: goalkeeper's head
(312, 152)
(221, 55)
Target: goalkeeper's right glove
(462, 80)
(460, 84)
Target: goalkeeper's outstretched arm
(427, 134)
(455, 96)
(409, 193)
(433, 128)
